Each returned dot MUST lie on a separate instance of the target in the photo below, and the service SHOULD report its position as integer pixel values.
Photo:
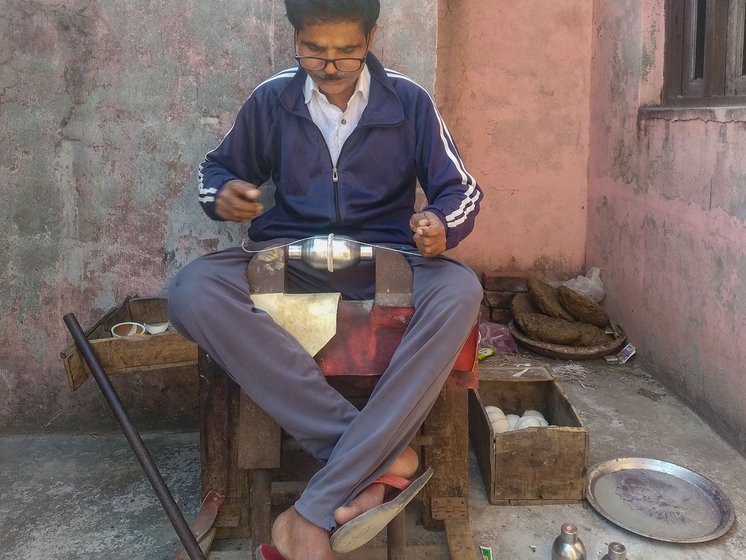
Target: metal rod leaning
(180, 525)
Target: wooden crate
(532, 465)
(130, 354)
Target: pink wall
(513, 85)
(667, 220)
(107, 108)
(105, 122)
(544, 100)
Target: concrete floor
(84, 496)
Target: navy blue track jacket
(370, 195)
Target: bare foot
(296, 538)
(405, 466)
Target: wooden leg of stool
(218, 418)
(447, 451)
(260, 489)
(396, 537)
(259, 452)
(460, 541)
(446, 431)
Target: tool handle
(138, 446)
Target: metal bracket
(449, 508)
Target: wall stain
(623, 165)
(737, 207)
(649, 49)
(554, 267)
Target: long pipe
(185, 534)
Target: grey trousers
(208, 302)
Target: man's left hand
(429, 233)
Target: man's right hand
(236, 201)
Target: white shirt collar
(362, 86)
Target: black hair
(300, 12)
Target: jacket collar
(384, 105)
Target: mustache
(332, 77)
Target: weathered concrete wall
(667, 220)
(106, 108)
(513, 82)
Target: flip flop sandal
(358, 531)
(268, 552)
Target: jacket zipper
(335, 170)
(335, 180)
(335, 174)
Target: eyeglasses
(315, 63)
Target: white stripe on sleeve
(471, 195)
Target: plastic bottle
(616, 552)
(567, 546)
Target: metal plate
(659, 500)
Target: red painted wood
(367, 336)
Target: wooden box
(134, 353)
(532, 465)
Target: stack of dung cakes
(562, 316)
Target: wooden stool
(240, 445)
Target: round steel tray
(659, 500)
